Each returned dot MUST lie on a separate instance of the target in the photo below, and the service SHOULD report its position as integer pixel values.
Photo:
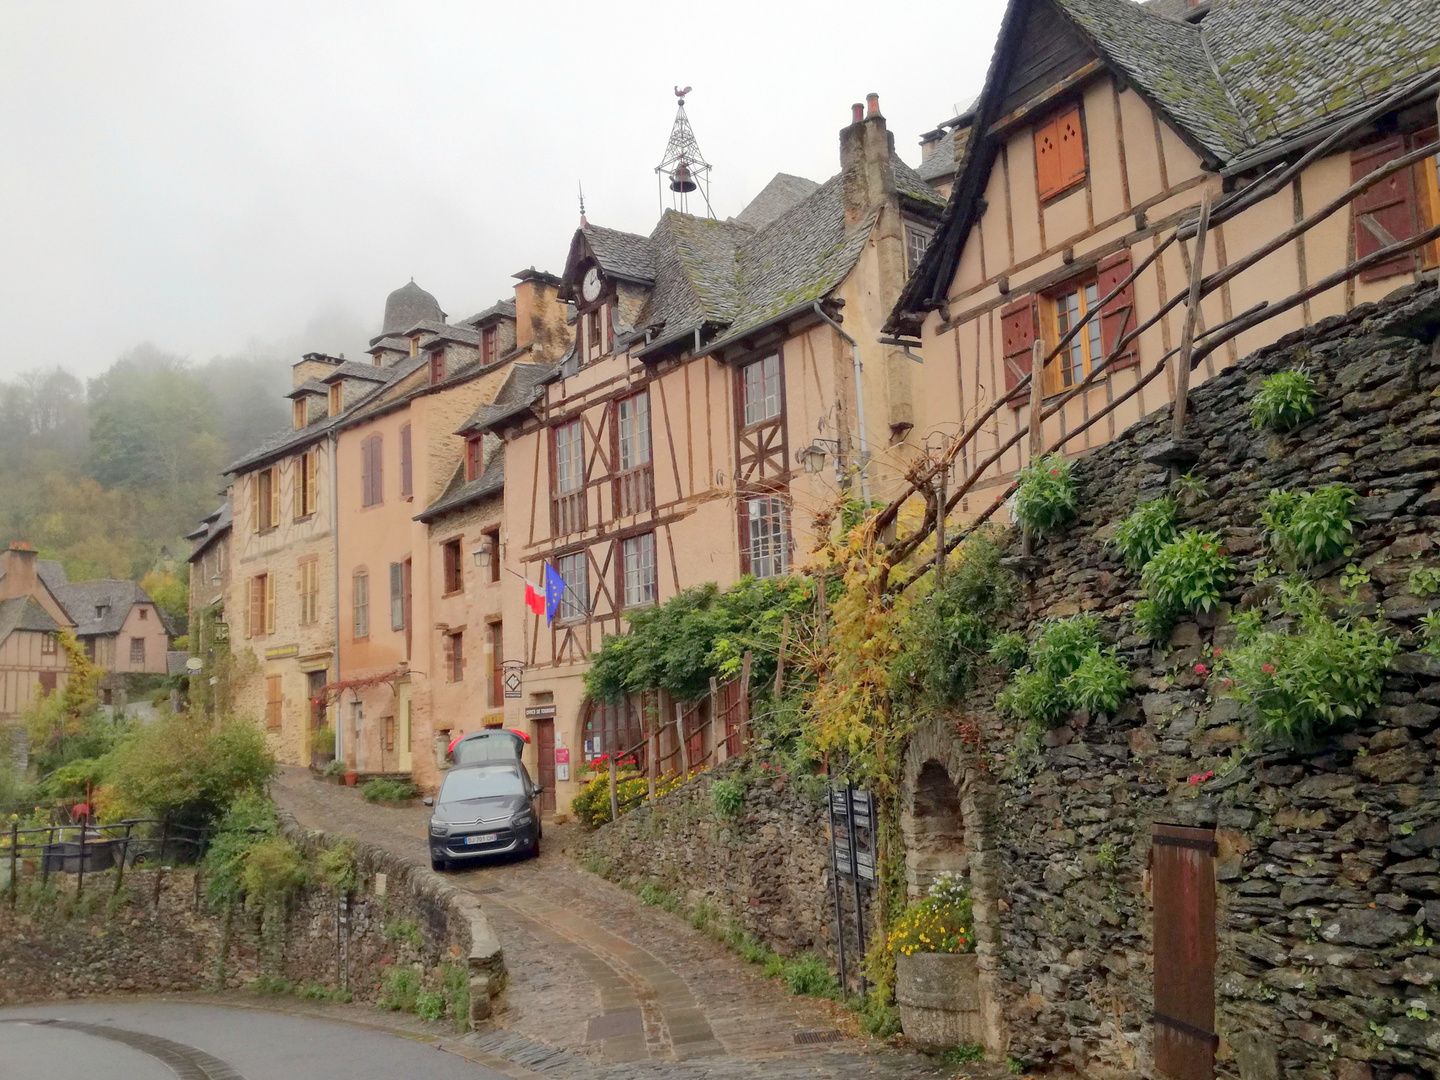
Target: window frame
(575, 599)
(360, 605)
(776, 509)
(274, 702)
(492, 538)
(640, 551)
(914, 230)
(489, 340)
(452, 567)
(437, 366)
(1090, 342)
(575, 449)
(140, 641)
(372, 471)
(455, 656)
(474, 457)
(593, 325)
(309, 589)
(762, 403)
(49, 645)
(639, 441)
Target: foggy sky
(208, 175)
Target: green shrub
(390, 791)
(322, 742)
(879, 1018)
(809, 976)
(1099, 683)
(429, 1005)
(404, 930)
(728, 797)
(1423, 581)
(1306, 528)
(249, 820)
(965, 1054)
(1153, 621)
(653, 895)
(1430, 632)
(1320, 675)
(271, 984)
(1062, 644)
(401, 991)
(1066, 670)
(1045, 500)
(274, 871)
(1009, 650)
(1187, 574)
(1150, 526)
(335, 767)
(591, 805)
(338, 868)
(456, 982)
(1284, 400)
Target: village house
(31, 619)
(413, 645)
(1101, 126)
(121, 629)
(708, 410)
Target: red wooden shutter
(1071, 143)
(1386, 212)
(1047, 160)
(1018, 326)
(1118, 317)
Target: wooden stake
(745, 700)
(780, 661)
(1192, 313)
(614, 799)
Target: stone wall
(1328, 893)
(159, 934)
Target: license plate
(483, 838)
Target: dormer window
(299, 413)
(101, 610)
(917, 240)
(474, 456)
(337, 399)
(593, 330)
(437, 367)
(415, 345)
(487, 345)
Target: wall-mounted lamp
(812, 457)
(483, 554)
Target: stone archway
(946, 813)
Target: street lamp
(483, 554)
(812, 457)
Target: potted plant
(322, 747)
(936, 982)
(352, 777)
(334, 770)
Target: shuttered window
(437, 366)
(474, 456)
(265, 499)
(407, 466)
(487, 345)
(360, 594)
(274, 701)
(454, 572)
(309, 591)
(1397, 208)
(260, 617)
(137, 652)
(1018, 328)
(307, 470)
(397, 596)
(1118, 317)
(372, 483)
(455, 656)
(1059, 153)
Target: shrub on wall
(1284, 400)
(1305, 528)
(1066, 669)
(1046, 500)
(1315, 676)
(1148, 528)
(1188, 574)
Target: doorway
(406, 759)
(545, 748)
(1182, 865)
(315, 693)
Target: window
(407, 464)
(360, 595)
(569, 458)
(487, 345)
(454, 570)
(492, 541)
(144, 614)
(575, 600)
(372, 472)
(137, 652)
(1084, 348)
(497, 666)
(1059, 154)
(298, 411)
(635, 431)
(437, 366)
(337, 399)
(761, 381)
(48, 645)
(455, 656)
(474, 456)
(307, 496)
(639, 569)
(593, 347)
(309, 591)
(917, 240)
(1398, 207)
(397, 596)
(262, 606)
(768, 543)
(265, 500)
(274, 701)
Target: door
(315, 694)
(402, 717)
(1182, 863)
(545, 749)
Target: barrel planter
(939, 999)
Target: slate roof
(912, 185)
(460, 493)
(284, 441)
(463, 335)
(25, 613)
(406, 306)
(522, 387)
(500, 309)
(781, 194)
(211, 529)
(51, 573)
(350, 369)
(621, 254)
(309, 386)
(695, 272)
(393, 343)
(175, 660)
(81, 598)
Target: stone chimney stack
(313, 365)
(540, 316)
(866, 160)
(21, 571)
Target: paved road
(603, 986)
(152, 1040)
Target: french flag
(534, 597)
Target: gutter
(784, 316)
(335, 531)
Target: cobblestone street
(603, 986)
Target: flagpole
(584, 603)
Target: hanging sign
(510, 677)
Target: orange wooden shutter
(269, 603)
(1047, 159)
(1071, 143)
(1117, 318)
(255, 617)
(1385, 212)
(297, 500)
(255, 502)
(312, 481)
(1018, 324)
(274, 495)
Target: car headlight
(439, 828)
(522, 818)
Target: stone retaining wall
(159, 934)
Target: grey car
(488, 808)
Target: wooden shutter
(1019, 324)
(377, 469)
(450, 657)
(255, 614)
(269, 603)
(1047, 160)
(1118, 317)
(274, 495)
(743, 515)
(1387, 211)
(397, 598)
(297, 501)
(1070, 141)
(312, 481)
(255, 502)
(407, 467)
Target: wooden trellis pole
(1192, 315)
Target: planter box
(939, 999)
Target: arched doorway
(935, 837)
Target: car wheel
(439, 865)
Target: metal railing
(84, 848)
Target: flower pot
(352, 778)
(939, 999)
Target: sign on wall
(510, 677)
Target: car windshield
(480, 784)
(497, 747)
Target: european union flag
(554, 590)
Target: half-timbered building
(711, 359)
(1102, 126)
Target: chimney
(21, 577)
(540, 316)
(866, 160)
(313, 365)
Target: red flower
(1227, 683)
(1054, 472)
(1201, 669)
(1268, 669)
(1218, 651)
(1200, 778)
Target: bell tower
(683, 164)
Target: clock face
(590, 286)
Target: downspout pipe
(859, 402)
(335, 532)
